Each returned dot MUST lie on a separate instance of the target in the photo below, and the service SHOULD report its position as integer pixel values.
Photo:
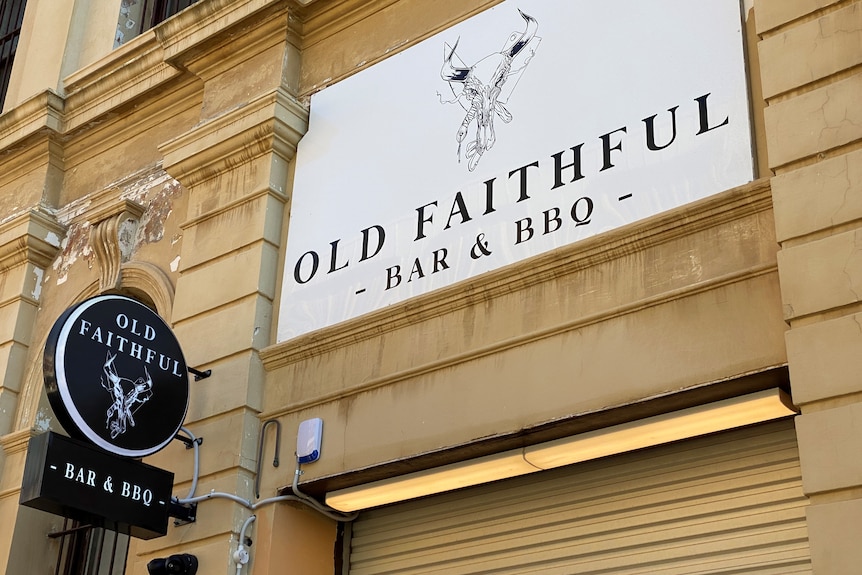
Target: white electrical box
(308, 440)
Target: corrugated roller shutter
(731, 503)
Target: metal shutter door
(731, 503)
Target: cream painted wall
(58, 38)
(212, 103)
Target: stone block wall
(810, 54)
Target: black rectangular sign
(73, 479)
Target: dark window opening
(136, 16)
(164, 9)
(88, 550)
(11, 18)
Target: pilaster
(810, 55)
(28, 244)
(233, 165)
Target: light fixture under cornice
(685, 423)
(436, 480)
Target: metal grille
(88, 550)
(731, 503)
(11, 17)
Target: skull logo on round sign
(115, 376)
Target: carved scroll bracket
(112, 236)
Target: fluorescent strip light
(436, 480)
(682, 424)
(692, 422)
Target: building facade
(150, 150)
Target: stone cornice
(274, 122)
(327, 18)
(114, 128)
(320, 20)
(188, 41)
(709, 212)
(44, 148)
(146, 63)
(110, 201)
(210, 59)
(17, 441)
(32, 237)
(323, 18)
(113, 209)
(125, 74)
(191, 35)
(43, 112)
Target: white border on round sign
(63, 386)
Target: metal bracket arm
(183, 514)
(188, 441)
(199, 375)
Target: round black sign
(116, 376)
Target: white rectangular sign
(530, 126)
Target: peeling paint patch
(152, 225)
(137, 187)
(53, 239)
(75, 245)
(175, 265)
(153, 188)
(39, 274)
(73, 209)
(14, 212)
(43, 421)
(126, 238)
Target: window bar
(113, 554)
(77, 559)
(11, 19)
(144, 21)
(62, 544)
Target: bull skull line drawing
(483, 88)
(128, 396)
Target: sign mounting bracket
(183, 514)
(199, 375)
(189, 442)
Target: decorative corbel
(112, 237)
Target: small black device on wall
(183, 564)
